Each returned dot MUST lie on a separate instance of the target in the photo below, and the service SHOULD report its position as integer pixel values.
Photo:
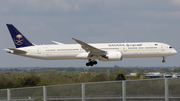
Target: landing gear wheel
(163, 61)
(91, 64)
(87, 64)
(95, 62)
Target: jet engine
(114, 56)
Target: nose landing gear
(163, 60)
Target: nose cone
(174, 52)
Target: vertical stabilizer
(18, 39)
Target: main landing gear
(91, 63)
(163, 60)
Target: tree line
(14, 80)
(54, 76)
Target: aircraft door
(162, 47)
(39, 51)
(124, 48)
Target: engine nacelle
(114, 56)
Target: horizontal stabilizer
(15, 51)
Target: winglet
(73, 38)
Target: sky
(92, 21)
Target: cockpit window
(170, 47)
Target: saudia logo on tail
(18, 40)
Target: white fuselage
(82, 50)
(75, 51)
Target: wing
(92, 50)
(15, 51)
(88, 48)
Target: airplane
(91, 52)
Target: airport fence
(165, 89)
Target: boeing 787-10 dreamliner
(91, 52)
